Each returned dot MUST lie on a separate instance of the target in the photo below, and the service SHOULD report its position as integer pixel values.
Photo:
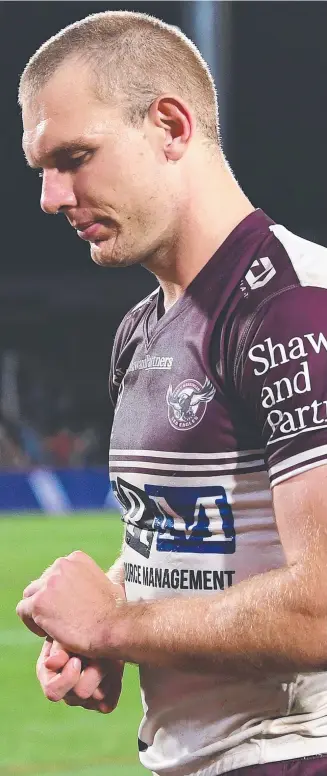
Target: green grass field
(39, 738)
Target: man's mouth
(91, 232)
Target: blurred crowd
(23, 447)
(49, 418)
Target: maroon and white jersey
(217, 401)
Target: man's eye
(77, 161)
(71, 163)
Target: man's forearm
(266, 623)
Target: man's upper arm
(300, 505)
(281, 377)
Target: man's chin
(98, 254)
(102, 254)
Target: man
(219, 441)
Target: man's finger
(106, 708)
(32, 588)
(57, 661)
(32, 626)
(57, 658)
(56, 686)
(40, 661)
(72, 700)
(89, 680)
(45, 651)
(24, 610)
(35, 585)
(98, 695)
(97, 677)
(90, 704)
(111, 688)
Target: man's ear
(173, 115)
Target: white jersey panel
(208, 724)
(308, 259)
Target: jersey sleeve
(281, 379)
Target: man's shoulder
(281, 284)
(291, 263)
(288, 304)
(308, 259)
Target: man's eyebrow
(62, 148)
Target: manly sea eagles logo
(188, 402)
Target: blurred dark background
(58, 311)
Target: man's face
(112, 181)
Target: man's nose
(57, 191)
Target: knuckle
(58, 564)
(63, 562)
(52, 580)
(76, 555)
(58, 561)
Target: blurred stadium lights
(208, 24)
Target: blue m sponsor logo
(195, 519)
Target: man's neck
(202, 237)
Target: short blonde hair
(133, 56)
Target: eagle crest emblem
(188, 402)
